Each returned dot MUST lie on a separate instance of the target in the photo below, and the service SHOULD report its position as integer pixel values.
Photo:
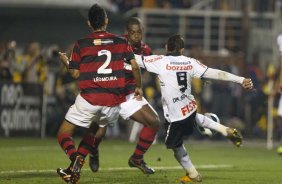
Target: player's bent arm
(65, 60)
(226, 76)
(136, 73)
(74, 73)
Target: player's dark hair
(175, 43)
(133, 21)
(97, 16)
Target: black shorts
(175, 131)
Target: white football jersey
(175, 74)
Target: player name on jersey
(110, 78)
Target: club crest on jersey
(172, 67)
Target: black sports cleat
(94, 161)
(141, 165)
(76, 169)
(65, 174)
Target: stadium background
(236, 36)
(225, 34)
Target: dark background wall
(60, 26)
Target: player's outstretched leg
(230, 133)
(184, 160)
(150, 120)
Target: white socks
(182, 157)
(206, 122)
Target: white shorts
(82, 113)
(131, 106)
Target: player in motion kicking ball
(175, 72)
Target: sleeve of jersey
(198, 68)
(222, 75)
(75, 58)
(139, 60)
(150, 63)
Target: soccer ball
(207, 131)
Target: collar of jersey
(173, 54)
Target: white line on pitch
(120, 169)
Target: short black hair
(133, 21)
(97, 16)
(175, 43)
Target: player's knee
(100, 134)
(154, 122)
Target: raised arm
(226, 76)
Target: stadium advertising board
(20, 109)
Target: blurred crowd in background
(39, 63)
(126, 5)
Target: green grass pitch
(34, 161)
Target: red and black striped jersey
(100, 58)
(144, 50)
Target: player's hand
(64, 58)
(138, 94)
(247, 84)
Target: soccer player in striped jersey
(175, 72)
(139, 111)
(97, 62)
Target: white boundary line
(119, 169)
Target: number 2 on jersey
(182, 80)
(103, 69)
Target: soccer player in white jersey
(175, 73)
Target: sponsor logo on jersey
(103, 41)
(189, 108)
(171, 67)
(180, 63)
(177, 99)
(153, 59)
